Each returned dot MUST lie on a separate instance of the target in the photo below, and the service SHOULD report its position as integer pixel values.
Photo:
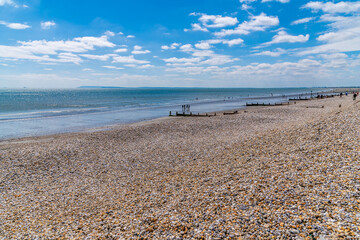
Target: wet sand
(284, 172)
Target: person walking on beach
(354, 96)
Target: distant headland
(98, 87)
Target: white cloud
(256, 23)
(98, 57)
(186, 48)
(302, 20)
(284, 37)
(245, 7)
(113, 67)
(186, 61)
(121, 50)
(138, 50)
(203, 45)
(276, 53)
(172, 46)
(234, 42)
(330, 7)
(282, 1)
(211, 21)
(343, 37)
(196, 27)
(246, 1)
(110, 33)
(47, 25)
(145, 66)
(207, 44)
(40, 50)
(217, 21)
(17, 26)
(128, 59)
(334, 56)
(218, 59)
(80, 44)
(199, 57)
(130, 36)
(69, 57)
(8, 2)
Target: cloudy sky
(179, 43)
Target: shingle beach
(283, 172)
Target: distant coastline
(99, 87)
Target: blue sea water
(35, 112)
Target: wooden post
(170, 113)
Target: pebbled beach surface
(284, 172)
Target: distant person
(346, 93)
(354, 96)
(341, 94)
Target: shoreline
(58, 124)
(284, 171)
(115, 125)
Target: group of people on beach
(355, 94)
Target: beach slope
(285, 172)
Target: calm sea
(35, 112)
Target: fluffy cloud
(246, 2)
(128, 60)
(330, 7)
(334, 56)
(203, 45)
(282, 1)
(172, 46)
(182, 61)
(80, 44)
(276, 53)
(17, 26)
(302, 20)
(8, 2)
(69, 57)
(47, 25)
(40, 50)
(121, 50)
(113, 67)
(196, 27)
(138, 50)
(207, 44)
(344, 36)
(110, 33)
(284, 37)
(256, 23)
(211, 21)
(98, 57)
(199, 56)
(216, 21)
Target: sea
(37, 112)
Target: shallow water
(35, 112)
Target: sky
(179, 43)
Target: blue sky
(180, 43)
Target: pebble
(286, 172)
